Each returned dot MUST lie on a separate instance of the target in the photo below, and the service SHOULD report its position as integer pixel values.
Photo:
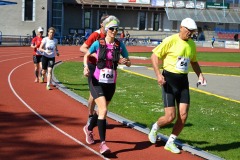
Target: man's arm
(197, 70)
(155, 64)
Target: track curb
(191, 149)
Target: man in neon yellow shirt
(176, 52)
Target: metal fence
(15, 40)
(134, 40)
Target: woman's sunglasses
(113, 29)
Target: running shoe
(48, 87)
(152, 136)
(89, 135)
(41, 79)
(170, 146)
(104, 148)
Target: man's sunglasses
(113, 29)
(192, 31)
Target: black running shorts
(37, 59)
(47, 62)
(102, 89)
(176, 89)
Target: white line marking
(13, 58)
(45, 120)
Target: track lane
(69, 116)
(33, 138)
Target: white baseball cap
(40, 29)
(189, 24)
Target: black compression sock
(102, 129)
(93, 122)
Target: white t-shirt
(50, 47)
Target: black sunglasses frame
(113, 29)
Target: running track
(40, 124)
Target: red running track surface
(40, 124)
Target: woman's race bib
(107, 75)
(49, 50)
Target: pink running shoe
(104, 148)
(89, 135)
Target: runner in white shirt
(49, 49)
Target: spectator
(236, 37)
(87, 34)
(127, 37)
(75, 35)
(122, 35)
(201, 36)
(213, 40)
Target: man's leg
(177, 128)
(162, 121)
(181, 118)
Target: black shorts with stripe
(176, 89)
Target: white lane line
(12, 59)
(17, 54)
(45, 120)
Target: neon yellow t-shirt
(176, 54)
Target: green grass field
(213, 123)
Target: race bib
(107, 75)
(49, 51)
(182, 64)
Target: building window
(87, 19)
(156, 22)
(57, 17)
(142, 21)
(28, 13)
